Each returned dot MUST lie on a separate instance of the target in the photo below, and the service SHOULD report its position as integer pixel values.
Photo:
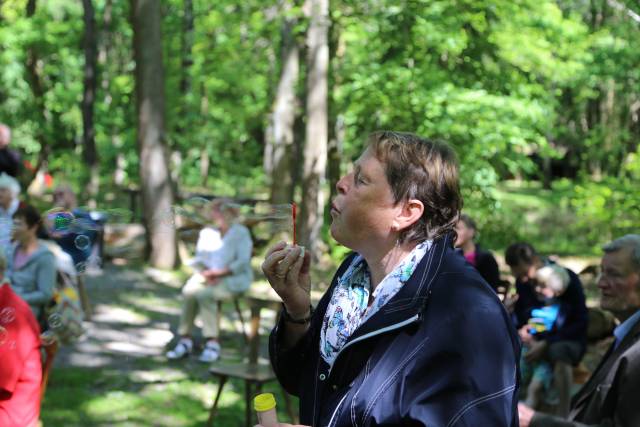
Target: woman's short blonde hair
(553, 277)
(422, 169)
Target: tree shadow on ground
(118, 375)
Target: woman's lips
(334, 209)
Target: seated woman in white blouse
(223, 268)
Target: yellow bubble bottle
(265, 406)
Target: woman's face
(465, 233)
(363, 212)
(218, 217)
(21, 230)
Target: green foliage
(509, 84)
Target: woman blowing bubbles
(407, 333)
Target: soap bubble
(82, 242)
(59, 221)
(263, 218)
(81, 267)
(7, 315)
(55, 321)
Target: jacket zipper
(366, 336)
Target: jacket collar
(411, 298)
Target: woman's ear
(411, 211)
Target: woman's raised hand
(287, 270)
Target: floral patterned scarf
(348, 307)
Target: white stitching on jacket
(478, 401)
(391, 379)
(353, 400)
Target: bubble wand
(293, 217)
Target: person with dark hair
(610, 397)
(10, 161)
(20, 364)
(564, 345)
(31, 266)
(407, 333)
(524, 262)
(482, 260)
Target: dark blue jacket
(441, 353)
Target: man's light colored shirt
(623, 329)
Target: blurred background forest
(270, 100)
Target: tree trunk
(89, 152)
(205, 163)
(335, 156)
(37, 89)
(279, 146)
(187, 44)
(155, 181)
(315, 150)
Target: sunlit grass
(103, 397)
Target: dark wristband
(287, 317)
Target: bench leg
(84, 298)
(214, 407)
(236, 302)
(248, 399)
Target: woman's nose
(341, 185)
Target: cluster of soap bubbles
(63, 222)
(195, 213)
(82, 228)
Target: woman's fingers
(277, 247)
(294, 270)
(272, 260)
(292, 255)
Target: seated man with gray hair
(610, 396)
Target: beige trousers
(202, 298)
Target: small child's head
(552, 281)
